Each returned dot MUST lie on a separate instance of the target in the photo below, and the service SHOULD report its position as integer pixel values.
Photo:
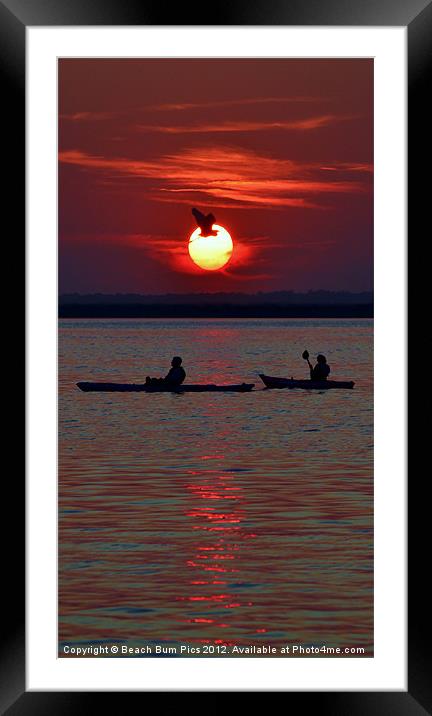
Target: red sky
(281, 151)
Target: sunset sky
(280, 151)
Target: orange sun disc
(211, 252)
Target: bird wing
(200, 218)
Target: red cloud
(305, 124)
(227, 176)
(174, 250)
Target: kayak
(144, 388)
(270, 382)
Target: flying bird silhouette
(205, 223)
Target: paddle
(305, 356)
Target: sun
(211, 252)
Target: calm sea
(215, 519)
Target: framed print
(216, 289)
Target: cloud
(240, 102)
(303, 125)
(243, 199)
(347, 167)
(172, 250)
(225, 176)
(91, 116)
(88, 116)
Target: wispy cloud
(240, 102)
(88, 116)
(348, 167)
(176, 249)
(243, 199)
(304, 124)
(173, 250)
(300, 125)
(92, 116)
(226, 175)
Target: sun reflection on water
(215, 518)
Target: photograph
(216, 357)
(213, 210)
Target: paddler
(176, 373)
(173, 378)
(321, 370)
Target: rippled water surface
(213, 518)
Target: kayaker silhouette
(321, 370)
(205, 223)
(174, 377)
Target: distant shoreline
(83, 310)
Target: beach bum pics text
(209, 650)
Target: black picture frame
(15, 16)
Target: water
(215, 519)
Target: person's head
(176, 362)
(321, 358)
